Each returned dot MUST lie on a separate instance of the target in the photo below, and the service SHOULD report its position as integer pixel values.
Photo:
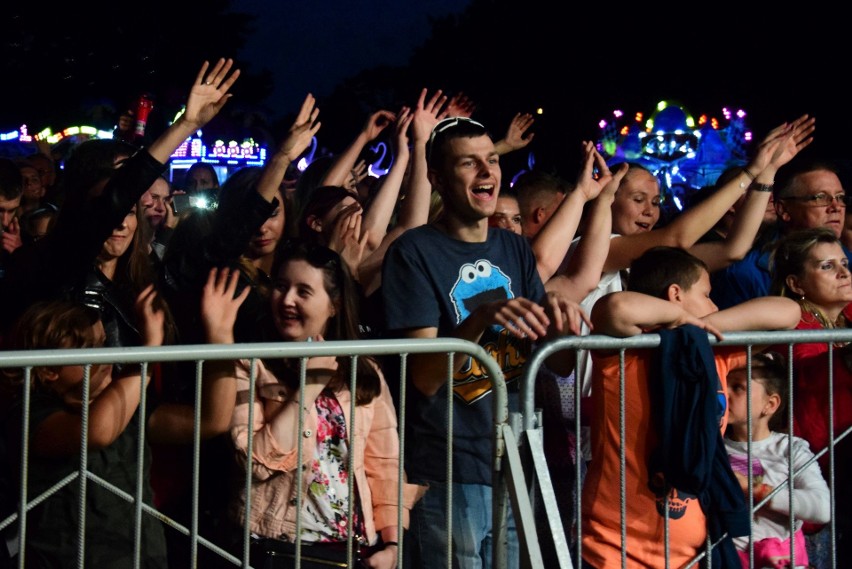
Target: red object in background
(143, 108)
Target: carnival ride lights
(684, 154)
(22, 134)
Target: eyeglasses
(447, 124)
(821, 199)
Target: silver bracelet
(757, 186)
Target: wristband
(387, 544)
(751, 176)
(757, 186)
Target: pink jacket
(273, 493)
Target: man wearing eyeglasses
(456, 277)
(807, 195)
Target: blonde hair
(789, 258)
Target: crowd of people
(97, 253)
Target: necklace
(815, 314)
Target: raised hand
(459, 105)
(151, 318)
(219, 305)
(376, 123)
(798, 136)
(208, 95)
(517, 135)
(403, 121)
(302, 131)
(587, 182)
(356, 175)
(210, 92)
(11, 236)
(347, 238)
(426, 115)
(780, 146)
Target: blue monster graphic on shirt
(477, 284)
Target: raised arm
(378, 215)
(516, 135)
(687, 227)
(582, 273)
(173, 423)
(787, 140)
(459, 105)
(299, 137)
(551, 244)
(345, 161)
(415, 208)
(370, 269)
(208, 95)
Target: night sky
(578, 63)
(313, 46)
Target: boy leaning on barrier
(670, 464)
(459, 278)
(56, 428)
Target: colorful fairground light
(684, 154)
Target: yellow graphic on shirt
(478, 283)
(471, 383)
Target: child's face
(738, 397)
(67, 381)
(696, 299)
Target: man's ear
(781, 211)
(539, 215)
(435, 179)
(674, 294)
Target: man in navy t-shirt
(459, 278)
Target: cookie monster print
(477, 284)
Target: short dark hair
(787, 177)
(534, 183)
(449, 129)
(658, 268)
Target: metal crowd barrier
(535, 462)
(508, 475)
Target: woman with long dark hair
(314, 299)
